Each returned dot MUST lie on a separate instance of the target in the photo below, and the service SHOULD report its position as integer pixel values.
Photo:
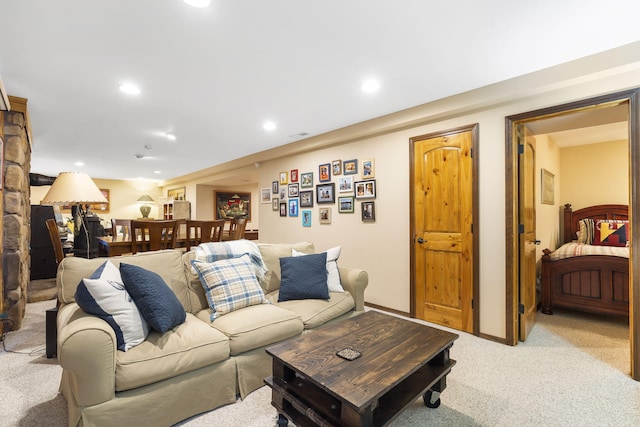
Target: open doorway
(554, 117)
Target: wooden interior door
(527, 307)
(443, 249)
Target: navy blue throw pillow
(304, 277)
(155, 300)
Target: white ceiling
(213, 76)
(590, 126)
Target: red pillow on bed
(609, 232)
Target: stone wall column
(16, 219)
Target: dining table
(121, 244)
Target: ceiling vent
(299, 135)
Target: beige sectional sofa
(194, 367)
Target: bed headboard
(572, 218)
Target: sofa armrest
(354, 281)
(87, 352)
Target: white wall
(382, 248)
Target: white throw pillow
(104, 295)
(333, 277)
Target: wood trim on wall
(20, 105)
(1, 217)
(634, 212)
(511, 171)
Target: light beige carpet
(572, 371)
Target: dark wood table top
(392, 349)
(119, 245)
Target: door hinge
(471, 228)
(471, 152)
(521, 308)
(520, 148)
(472, 307)
(520, 228)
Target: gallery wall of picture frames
(341, 182)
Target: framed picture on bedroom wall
(547, 187)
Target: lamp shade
(145, 198)
(71, 188)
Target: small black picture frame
(306, 199)
(326, 193)
(368, 211)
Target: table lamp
(75, 189)
(145, 209)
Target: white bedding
(573, 249)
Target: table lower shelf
(306, 404)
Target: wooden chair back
(54, 235)
(237, 228)
(203, 231)
(153, 235)
(124, 224)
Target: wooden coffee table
(400, 361)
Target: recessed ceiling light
(170, 136)
(269, 126)
(130, 88)
(79, 163)
(198, 3)
(370, 85)
(157, 172)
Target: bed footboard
(593, 283)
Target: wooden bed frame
(592, 283)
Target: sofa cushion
(167, 263)
(157, 303)
(271, 254)
(304, 277)
(333, 276)
(229, 284)
(104, 295)
(256, 326)
(316, 312)
(191, 345)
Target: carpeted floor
(572, 371)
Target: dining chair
(153, 235)
(54, 235)
(237, 228)
(125, 226)
(203, 231)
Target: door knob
(537, 242)
(420, 240)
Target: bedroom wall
(595, 174)
(547, 216)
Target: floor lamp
(75, 189)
